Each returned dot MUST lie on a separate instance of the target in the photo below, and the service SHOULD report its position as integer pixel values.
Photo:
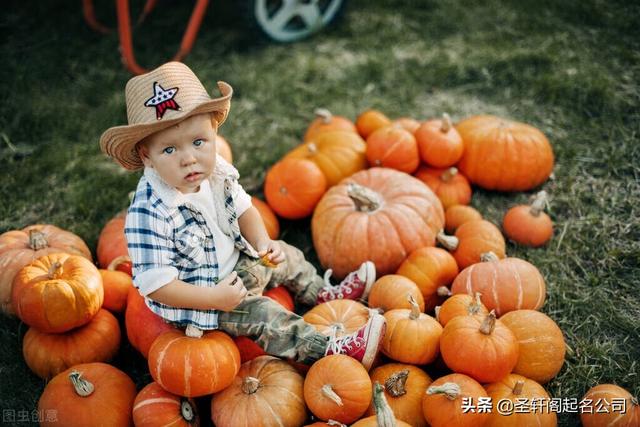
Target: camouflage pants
(277, 330)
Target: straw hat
(157, 100)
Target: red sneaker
(355, 286)
(364, 344)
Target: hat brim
(120, 142)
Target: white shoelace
(338, 345)
(334, 291)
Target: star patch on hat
(162, 100)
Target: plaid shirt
(164, 231)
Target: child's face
(184, 155)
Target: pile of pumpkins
(377, 189)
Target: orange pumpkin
(194, 366)
(460, 305)
(21, 247)
(486, 356)
(384, 414)
(337, 387)
(398, 211)
(112, 244)
(223, 148)
(505, 285)
(89, 394)
(116, 285)
(369, 121)
(49, 354)
(430, 268)
(266, 392)
(408, 123)
(58, 292)
(143, 325)
(517, 388)
(439, 142)
(325, 122)
(293, 187)
(456, 215)
(330, 423)
(411, 337)
(541, 344)
(248, 348)
(472, 239)
(268, 217)
(342, 315)
(154, 406)
(393, 147)
(442, 404)
(404, 386)
(281, 295)
(451, 187)
(604, 404)
(391, 291)
(338, 154)
(504, 155)
(529, 225)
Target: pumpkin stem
(517, 389)
(443, 291)
(450, 390)
(53, 268)
(313, 148)
(539, 202)
(446, 123)
(365, 199)
(336, 423)
(186, 409)
(250, 385)
(634, 401)
(489, 257)
(396, 383)
(384, 413)
(328, 392)
(489, 323)
(82, 387)
(476, 305)
(450, 243)
(437, 312)
(193, 331)
(449, 174)
(324, 114)
(37, 240)
(415, 308)
(117, 261)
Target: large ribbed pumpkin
(89, 394)
(378, 214)
(338, 154)
(517, 388)
(504, 155)
(143, 325)
(112, 243)
(192, 367)
(49, 354)
(267, 392)
(57, 292)
(505, 285)
(21, 247)
(443, 402)
(541, 344)
(609, 400)
(155, 406)
(342, 315)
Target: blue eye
(198, 142)
(169, 150)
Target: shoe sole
(376, 332)
(371, 278)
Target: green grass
(569, 68)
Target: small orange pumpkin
(337, 387)
(154, 406)
(529, 225)
(451, 187)
(270, 220)
(143, 325)
(342, 315)
(116, 285)
(325, 121)
(293, 187)
(439, 142)
(391, 291)
(248, 348)
(460, 343)
(541, 344)
(112, 244)
(517, 388)
(460, 305)
(393, 147)
(430, 268)
(472, 239)
(442, 403)
(58, 292)
(609, 400)
(408, 123)
(223, 148)
(281, 295)
(369, 121)
(89, 394)
(456, 215)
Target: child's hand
(229, 292)
(274, 251)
